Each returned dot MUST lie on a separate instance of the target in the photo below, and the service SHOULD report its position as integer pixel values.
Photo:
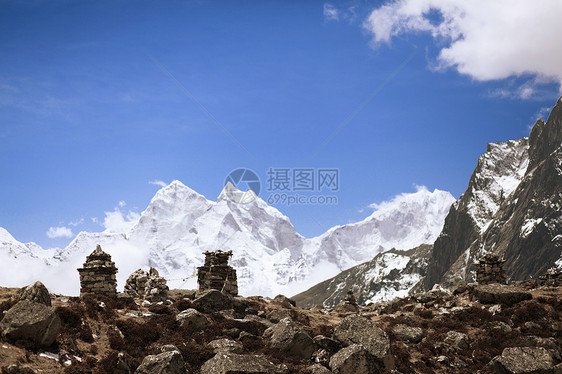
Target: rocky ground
(486, 329)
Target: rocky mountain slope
(511, 208)
(269, 255)
(480, 328)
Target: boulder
(405, 332)
(36, 292)
(329, 344)
(277, 315)
(170, 362)
(28, 320)
(457, 340)
(192, 319)
(460, 287)
(520, 360)
(290, 337)
(226, 346)
(354, 359)
(355, 329)
(500, 294)
(318, 369)
(284, 301)
(212, 301)
(346, 307)
(228, 363)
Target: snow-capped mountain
(269, 255)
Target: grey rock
(290, 337)
(164, 363)
(405, 332)
(284, 301)
(460, 287)
(226, 345)
(230, 363)
(354, 359)
(355, 329)
(500, 294)
(36, 292)
(32, 321)
(329, 344)
(457, 340)
(318, 369)
(520, 360)
(347, 307)
(212, 301)
(277, 315)
(193, 319)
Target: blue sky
(97, 99)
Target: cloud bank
(486, 40)
(59, 232)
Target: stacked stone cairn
(552, 278)
(97, 276)
(349, 305)
(148, 286)
(490, 270)
(217, 274)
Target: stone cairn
(97, 276)
(349, 304)
(490, 270)
(149, 286)
(552, 278)
(217, 274)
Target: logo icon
(242, 185)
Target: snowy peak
(546, 137)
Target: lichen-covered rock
(28, 320)
(192, 319)
(355, 329)
(149, 286)
(405, 332)
(37, 292)
(319, 369)
(228, 363)
(500, 294)
(170, 362)
(213, 301)
(277, 315)
(354, 359)
(521, 360)
(457, 340)
(290, 337)
(226, 346)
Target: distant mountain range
(269, 255)
(512, 207)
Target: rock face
(170, 362)
(355, 329)
(230, 363)
(511, 209)
(354, 359)
(37, 292)
(290, 337)
(217, 274)
(500, 294)
(552, 278)
(149, 286)
(28, 320)
(520, 360)
(388, 275)
(98, 275)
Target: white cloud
(122, 203)
(486, 40)
(59, 232)
(116, 222)
(542, 113)
(330, 12)
(158, 183)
